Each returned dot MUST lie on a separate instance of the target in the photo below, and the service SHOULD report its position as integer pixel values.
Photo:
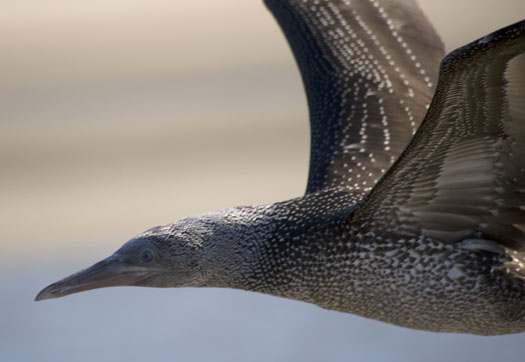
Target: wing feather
(464, 171)
(369, 69)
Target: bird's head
(196, 251)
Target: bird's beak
(110, 272)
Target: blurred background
(116, 116)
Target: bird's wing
(463, 174)
(369, 69)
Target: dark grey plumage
(369, 70)
(434, 241)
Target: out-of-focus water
(119, 115)
(138, 324)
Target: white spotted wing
(369, 69)
(463, 174)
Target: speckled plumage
(367, 79)
(433, 241)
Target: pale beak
(110, 272)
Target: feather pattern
(369, 69)
(463, 173)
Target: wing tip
(490, 40)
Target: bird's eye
(146, 256)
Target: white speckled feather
(369, 69)
(464, 171)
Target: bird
(414, 210)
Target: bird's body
(415, 282)
(432, 239)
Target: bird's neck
(265, 248)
